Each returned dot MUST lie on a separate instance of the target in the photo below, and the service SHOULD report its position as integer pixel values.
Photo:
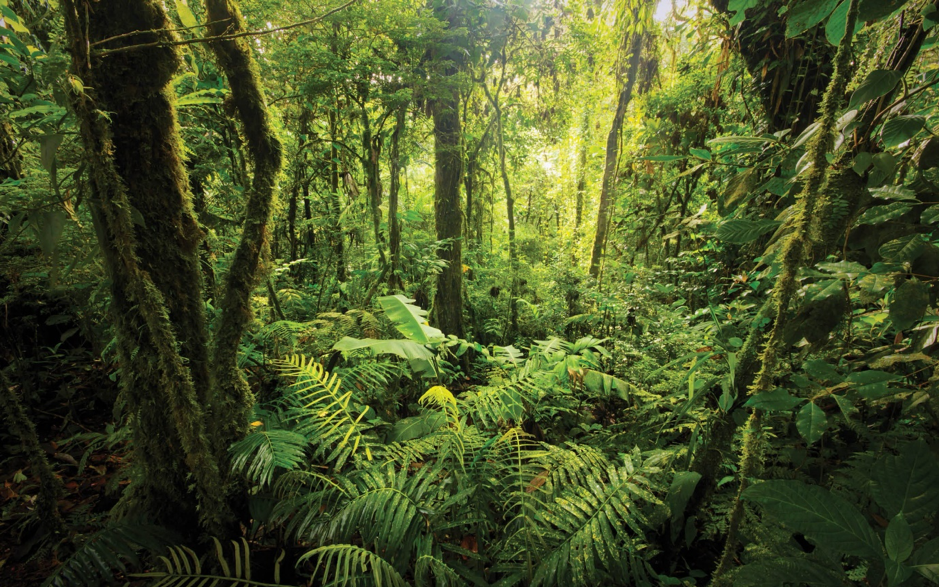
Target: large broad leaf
(901, 129)
(909, 484)
(909, 304)
(823, 517)
(778, 400)
(926, 560)
(740, 232)
(811, 423)
(807, 14)
(838, 23)
(899, 539)
(601, 383)
(683, 486)
(872, 384)
(905, 249)
(881, 214)
(785, 571)
(417, 426)
(877, 83)
(406, 349)
(410, 320)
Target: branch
(226, 37)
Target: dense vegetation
(469, 292)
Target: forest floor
(74, 434)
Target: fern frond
(431, 571)
(108, 551)
(503, 405)
(441, 397)
(259, 453)
(325, 416)
(345, 564)
(587, 529)
(184, 568)
(564, 467)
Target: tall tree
(448, 171)
(632, 46)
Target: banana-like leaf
(410, 320)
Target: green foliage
(184, 567)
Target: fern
(587, 529)
(324, 415)
(345, 564)
(184, 569)
(108, 551)
(503, 405)
(259, 453)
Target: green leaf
(200, 97)
(417, 426)
(822, 370)
(410, 320)
(843, 269)
(880, 214)
(701, 153)
(871, 384)
(897, 573)
(901, 129)
(778, 400)
(926, 560)
(739, 232)
(908, 483)
(48, 145)
(838, 22)
(905, 249)
(807, 14)
(663, 158)
(909, 304)
(862, 161)
(406, 349)
(930, 215)
(899, 539)
(877, 83)
(823, 517)
(824, 290)
(869, 10)
(185, 14)
(13, 20)
(894, 192)
(811, 423)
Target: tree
(634, 31)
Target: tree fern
(109, 551)
(324, 412)
(184, 568)
(347, 565)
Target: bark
(335, 204)
(394, 227)
(509, 208)
(149, 238)
(234, 56)
(605, 210)
(582, 171)
(371, 153)
(448, 174)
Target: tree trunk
(234, 56)
(394, 227)
(448, 174)
(605, 210)
(149, 237)
(335, 203)
(582, 172)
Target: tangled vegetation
(548, 293)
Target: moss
(796, 249)
(134, 165)
(233, 397)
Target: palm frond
(262, 451)
(345, 564)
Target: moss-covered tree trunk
(149, 237)
(235, 59)
(448, 174)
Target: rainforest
(438, 293)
